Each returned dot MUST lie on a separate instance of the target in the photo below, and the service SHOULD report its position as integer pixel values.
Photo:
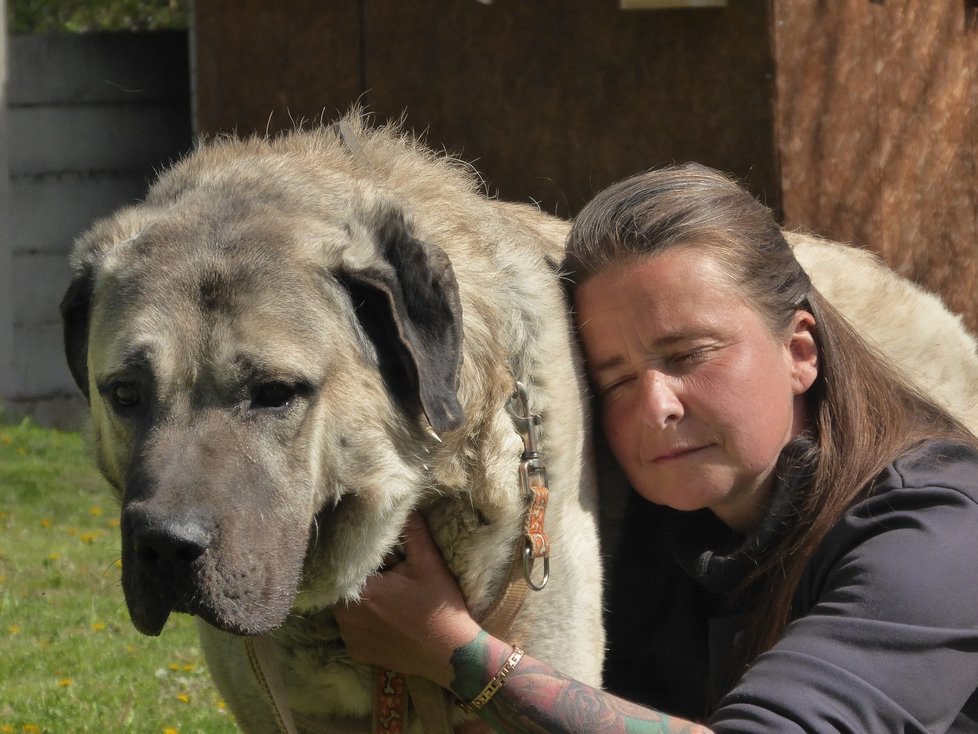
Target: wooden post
(6, 244)
(877, 129)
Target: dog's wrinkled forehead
(190, 293)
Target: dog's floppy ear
(75, 308)
(408, 305)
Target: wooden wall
(552, 99)
(89, 118)
(854, 119)
(877, 124)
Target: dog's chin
(151, 620)
(244, 625)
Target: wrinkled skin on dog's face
(199, 417)
(228, 375)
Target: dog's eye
(124, 395)
(272, 395)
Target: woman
(802, 552)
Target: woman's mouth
(676, 454)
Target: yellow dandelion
(54, 556)
(170, 730)
(45, 522)
(189, 667)
(183, 697)
(3, 579)
(174, 666)
(6, 729)
(113, 522)
(31, 729)
(118, 563)
(98, 626)
(6, 438)
(14, 629)
(95, 511)
(65, 682)
(89, 538)
(221, 706)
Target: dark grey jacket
(885, 630)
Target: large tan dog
(907, 324)
(290, 344)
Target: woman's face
(698, 397)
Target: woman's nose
(662, 406)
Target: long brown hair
(862, 413)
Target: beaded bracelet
(494, 684)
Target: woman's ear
(804, 352)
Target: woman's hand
(412, 617)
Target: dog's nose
(168, 545)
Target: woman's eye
(125, 395)
(688, 358)
(272, 395)
(612, 387)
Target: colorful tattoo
(537, 699)
(470, 663)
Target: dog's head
(264, 355)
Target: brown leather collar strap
(533, 484)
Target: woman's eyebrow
(608, 364)
(666, 341)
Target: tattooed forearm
(471, 663)
(537, 699)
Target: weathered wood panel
(39, 366)
(41, 281)
(98, 68)
(77, 197)
(559, 99)
(52, 139)
(552, 100)
(88, 120)
(6, 252)
(263, 65)
(878, 133)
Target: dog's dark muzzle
(163, 564)
(166, 548)
(233, 574)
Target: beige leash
(263, 665)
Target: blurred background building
(856, 119)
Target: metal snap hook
(528, 568)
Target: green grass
(70, 661)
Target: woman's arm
(413, 619)
(537, 698)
